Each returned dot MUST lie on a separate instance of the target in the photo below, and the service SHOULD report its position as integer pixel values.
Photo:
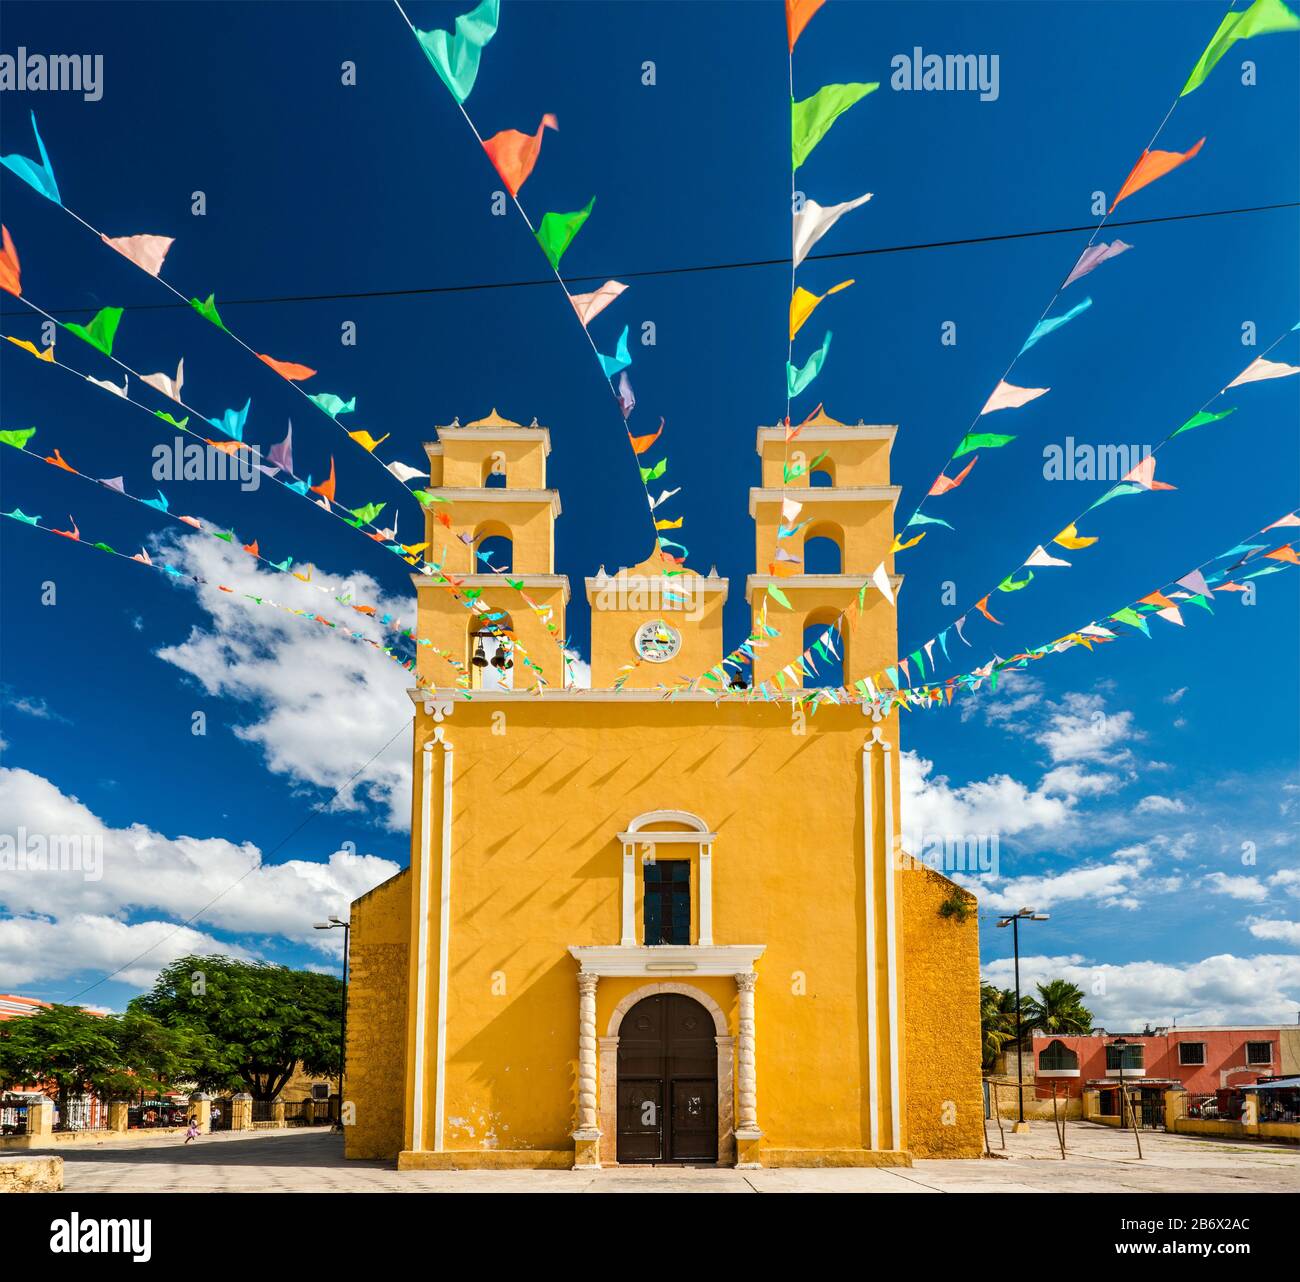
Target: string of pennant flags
(149, 252)
(277, 459)
(456, 57)
(1138, 480)
(1262, 18)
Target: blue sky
(1123, 783)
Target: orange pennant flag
(1285, 553)
(288, 369)
(226, 447)
(943, 483)
(251, 548)
(642, 443)
(10, 270)
(74, 534)
(514, 154)
(982, 607)
(58, 460)
(798, 14)
(326, 488)
(1150, 166)
(1156, 598)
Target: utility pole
(1013, 920)
(337, 923)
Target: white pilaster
(746, 1064)
(629, 896)
(444, 943)
(588, 1126)
(422, 909)
(706, 896)
(869, 886)
(891, 950)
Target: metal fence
(223, 1114)
(82, 1113)
(146, 1114)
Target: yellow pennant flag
(1070, 538)
(803, 304)
(670, 525)
(368, 442)
(911, 543)
(41, 353)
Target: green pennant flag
(918, 519)
(981, 441)
(456, 57)
(103, 547)
(649, 474)
(778, 596)
(1200, 420)
(556, 232)
(1198, 598)
(333, 405)
(368, 513)
(920, 662)
(1119, 491)
(1009, 584)
(208, 310)
(1132, 618)
(17, 437)
(101, 331)
(167, 418)
(226, 536)
(796, 380)
(812, 118)
(1263, 18)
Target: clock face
(656, 642)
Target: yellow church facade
(641, 930)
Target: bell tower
(490, 527)
(824, 520)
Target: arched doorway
(667, 1082)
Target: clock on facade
(656, 642)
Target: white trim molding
(869, 892)
(422, 948)
(611, 960)
(825, 494)
(891, 949)
(696, 833)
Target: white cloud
(1074, 781)
(1248, 888)
(997, 805)
(1110, 885)
(1175, 696)
(316, 704)
(1265, 928)
(1216, 990)
(1080, 729)
(1158, 805)
(216, 883)
(1287, 880)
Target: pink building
(1202, 1060)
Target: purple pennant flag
(1094, 256)
(282, 455)
(113, 483)
(626, 397)
(1196, 582)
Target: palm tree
(998, 1021)
(1058, 1008)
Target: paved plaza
(1099, 1159)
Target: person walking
(192, 1131)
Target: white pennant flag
(1039, 556)
(110, 387)
(404, 472)
(1259, 369)
(664, 497)
(170, 388)
(813, 221)
(881, 581)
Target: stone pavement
(1099, 1160)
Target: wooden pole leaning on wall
(997, 1112)
(1126, 1098)
(1059, 1123)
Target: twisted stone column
(746, 1070)
(587, 1121)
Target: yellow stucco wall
(377, 1019)
(945, 1103)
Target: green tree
(63, 1045)
(257, 1021)
(998, 1021)
(1059, 1008)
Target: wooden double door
(667, 1082)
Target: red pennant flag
(944, 483)
(1152, 165)
(288, 369)
(514, 154)
(10, 271)
(798, 14)
(74, 534)
(326, 488)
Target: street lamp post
(336, 923)
(1013, 920)
(1122, 1044)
